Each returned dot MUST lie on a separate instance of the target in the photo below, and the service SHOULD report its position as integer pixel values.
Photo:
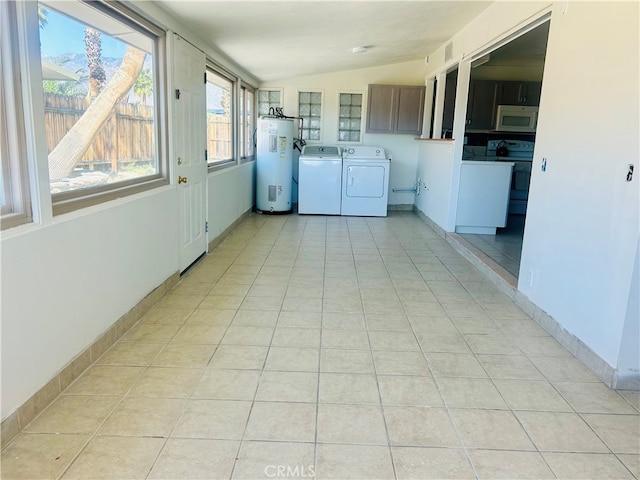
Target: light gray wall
(583, 218)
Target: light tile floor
(505, 247)
(315, 347)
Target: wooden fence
(218, 137)
(128, 135)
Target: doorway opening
(510, 75)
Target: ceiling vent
(448, 52)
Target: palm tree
(68, 88)
(42, 16)
(64, 157)
(93, 47)
(144, 85)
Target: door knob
(179, 161)
(182, 179)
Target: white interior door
(189, 133)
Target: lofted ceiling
(282, 39)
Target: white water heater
(274, 165)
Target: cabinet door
(482, 105)
(381, 109)
(530, 93)
(509, 93)
(410, 110)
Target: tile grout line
(444, 401)
(375, 372)
(255, 394)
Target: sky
(62, 35)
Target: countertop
(477, 158)
(434, 139)
(487, 163)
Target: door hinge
(206, 227)
(205, 78)
(206, 156)
(177, 94)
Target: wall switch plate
(630, 172)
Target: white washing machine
(319, 180)
(365, 181)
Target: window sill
(221, 165)
(83, 199)
(12, 220)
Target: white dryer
(365, 181)
(319, 180)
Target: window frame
(65, 202)
(322, 102)
(13, 139)
(242, 133)
(214, 68)
(363, 117)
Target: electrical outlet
(630, 172)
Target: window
(268, 99)
(310, 109)
(102, 101)
(350, 117)
(247, 123)
(15, 199)
(219, 117)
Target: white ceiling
(282, 39)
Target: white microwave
(514, 118)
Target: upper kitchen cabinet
(481, 106)
(519, 93)
(395, 109)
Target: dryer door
(365, 181)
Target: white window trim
(17, 150)
(254, 108)
(235, 117)
(363, 116)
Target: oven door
(520, 179)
